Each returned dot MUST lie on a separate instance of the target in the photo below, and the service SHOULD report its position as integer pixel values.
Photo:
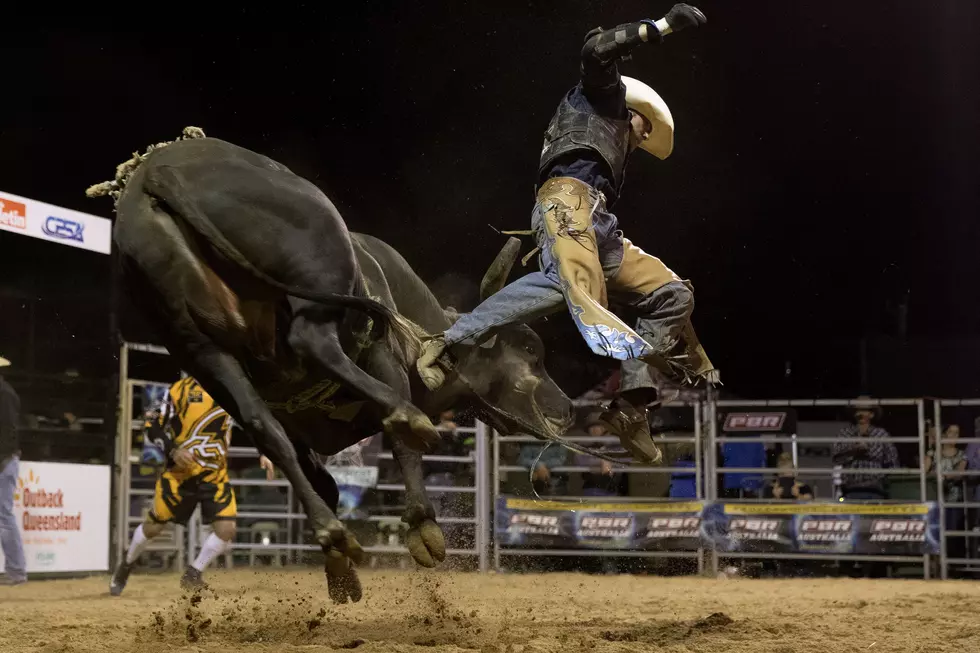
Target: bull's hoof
(343, 586)
(335, 539)
(412, 426)
(426, 543)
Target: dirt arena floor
(439, 612)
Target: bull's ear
(499, 270)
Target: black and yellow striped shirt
(190, 419)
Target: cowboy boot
(631, 426)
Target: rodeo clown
(584, 256)
(192, 433)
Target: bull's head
(504, 377)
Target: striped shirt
(880, 454)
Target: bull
(305, 333)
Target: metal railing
(499, 469)
(185, 545)
(490, 468)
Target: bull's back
(280, 222)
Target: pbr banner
(562, 524)
(832, 528)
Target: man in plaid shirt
(864, 446)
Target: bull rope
(125, 170)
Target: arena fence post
(482, 496)
(940, 489)
(121, 482)
(711, 471)
(698, 472)
(495, 494)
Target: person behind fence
(194, 434)
(949, 459)
(15, 567)
(787, 486)
(864, 446)
(586, 263)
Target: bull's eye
(529, 349)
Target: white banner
(63, 514)
(28, 217)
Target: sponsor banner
(352, 482)
(592, 525)
(831, 528)
(28, 217)
(62, 511)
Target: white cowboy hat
(4, 362)
(646, 102)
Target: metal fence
(277, 530)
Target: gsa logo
(63, 228)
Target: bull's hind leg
(223, 377)
(165, 278)
(342, 580)
(314, 335)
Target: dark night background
(823, 183)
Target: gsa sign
(64, 228)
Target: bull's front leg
(425, 540)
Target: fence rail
(705, 436)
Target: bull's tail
(403, 337)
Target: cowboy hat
(645, 101)
(866, 403)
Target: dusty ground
(439, 612)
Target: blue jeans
(539, 294)
(13, 548)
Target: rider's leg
(532, 296)
(664, 303)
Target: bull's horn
(499, 270)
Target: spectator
(602, 481)
(864, 446)
(13, 548)
(543, 482)
(949, 458)
(786, 485)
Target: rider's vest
(571, 130)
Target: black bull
(260, 292)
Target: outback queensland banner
(830, 528)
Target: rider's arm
(160, 432)
(604, 48)
(601, 52)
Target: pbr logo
(63, 228)
(825, 530)
(898, 530)
(534, 524)
(605, 526)
(662, 527)
(754, 528)
(754, 421)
